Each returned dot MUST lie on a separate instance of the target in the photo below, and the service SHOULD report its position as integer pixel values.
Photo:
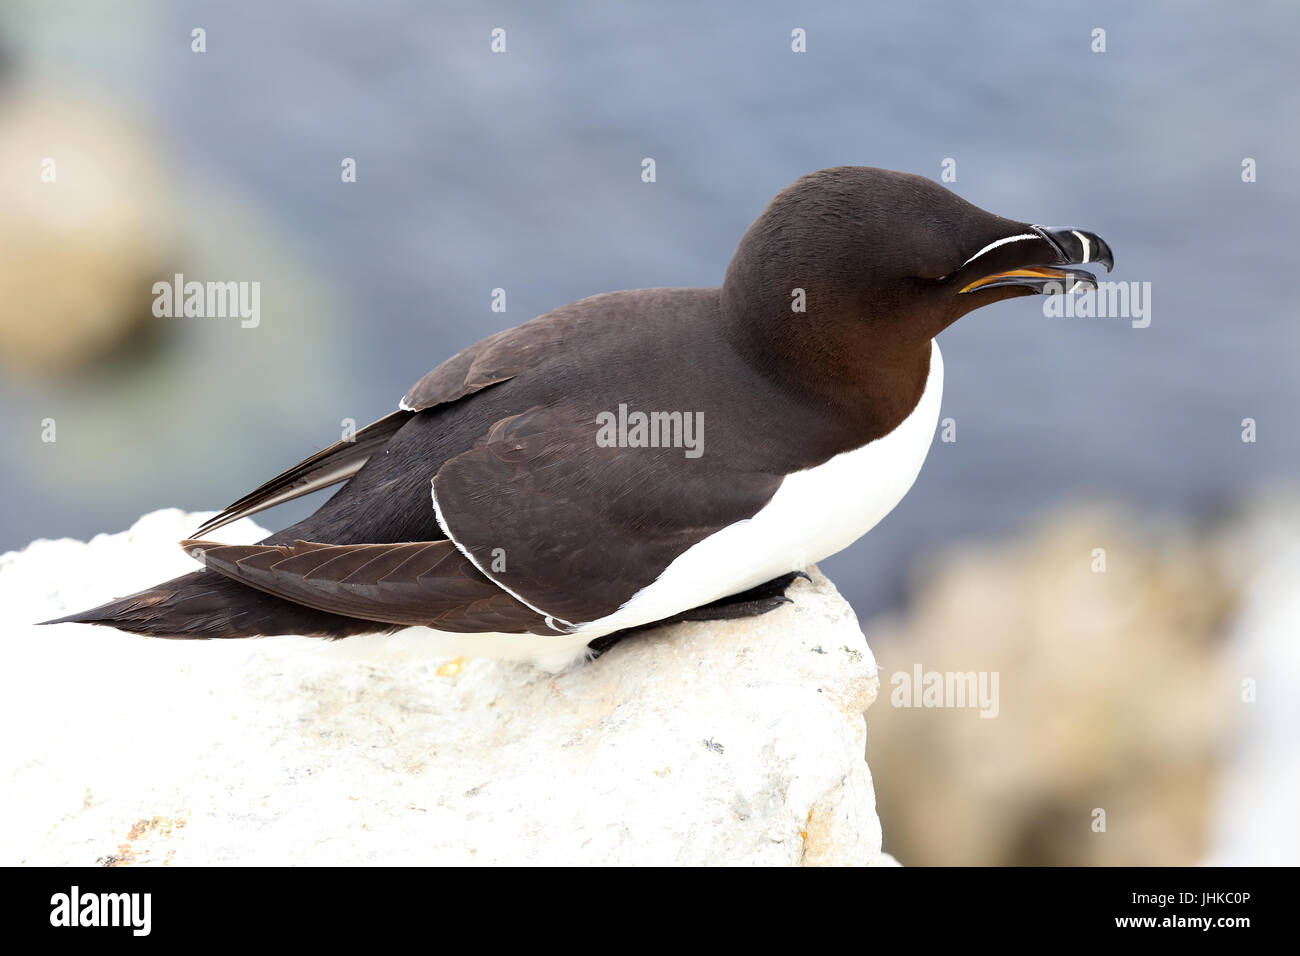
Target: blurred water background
(522, 171)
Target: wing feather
(336, 463)
(427, 583)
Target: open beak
(1070, 247)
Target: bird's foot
(768, 596)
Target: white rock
(722, 743)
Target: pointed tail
(204, 604)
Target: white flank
(814, 514)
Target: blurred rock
(84, 231)
(723, 743)
(1112, 697)
(1127, 691)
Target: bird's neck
(849, 382)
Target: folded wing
(574, 528)
(426, 583)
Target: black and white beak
(1047, 252)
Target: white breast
(814, 514)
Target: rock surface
(721, 743)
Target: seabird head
(886, 260)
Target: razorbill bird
(638, 456)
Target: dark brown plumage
(504, 433)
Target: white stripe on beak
(1087, 246)
(1002, 242)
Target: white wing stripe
(569, 627)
